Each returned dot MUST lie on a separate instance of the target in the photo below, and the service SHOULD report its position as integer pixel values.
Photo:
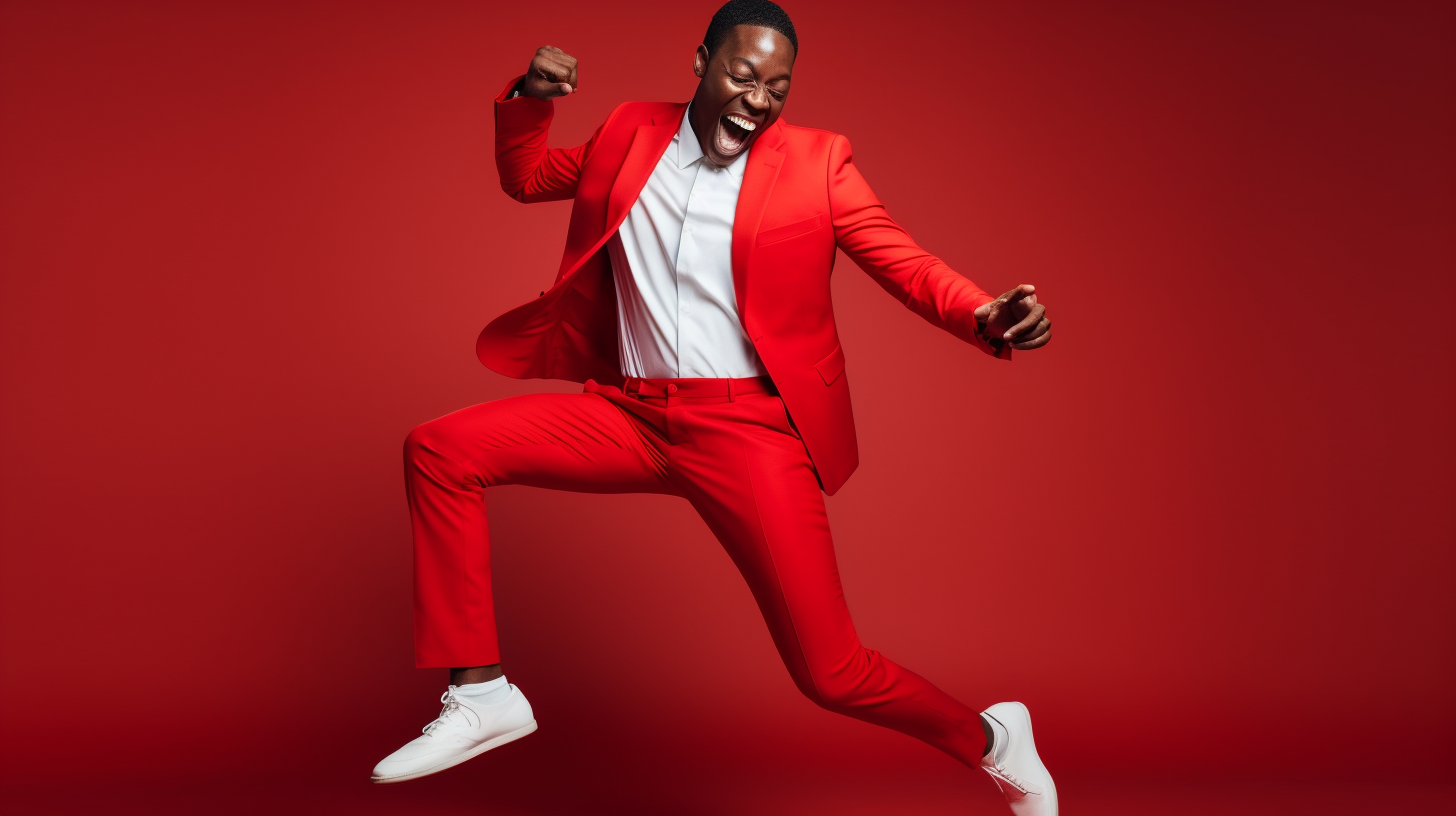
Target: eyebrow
(750, 67)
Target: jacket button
(672, 388)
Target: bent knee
(421, 438)
(443, 453)
(431, 440)
(847, 684)
(836, 695)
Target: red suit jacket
(801, 198)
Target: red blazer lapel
(647, 147)
(648, 143)
(764, 160)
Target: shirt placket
(688, 256)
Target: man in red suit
(693, 303)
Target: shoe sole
(494, 742)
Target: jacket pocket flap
(789, 230)
(832, 366)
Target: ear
(700, 61)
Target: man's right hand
(552, 74)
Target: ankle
(475, 674)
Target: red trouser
(740, 462)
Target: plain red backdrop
(247, 246)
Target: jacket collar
(760, 173)
(648, 144)
(686, 141)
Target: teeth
(743, 123)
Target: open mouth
(733, 133)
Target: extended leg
(579, 442)
(754, 487)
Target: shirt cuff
(512, 90)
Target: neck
(702, 131)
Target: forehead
(761, 47)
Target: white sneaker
(463, 730)
(1014, 764)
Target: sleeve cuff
(521, 111)
(506, 93)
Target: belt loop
(730, 389)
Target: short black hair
(748, 12)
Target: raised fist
(552, 73)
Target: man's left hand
(1016, 318)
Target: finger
(1035, 331)
(560, 64)
(553, 90)
(551, 70)
(551, 87)
(1018, 293)
(561, 75)
(563, 59)
(1031, 344)
(1032, 318)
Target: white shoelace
(452, 706)
(1008, 776)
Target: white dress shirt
(672, 261)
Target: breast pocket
(787, 231)
(832, 366)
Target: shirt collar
(689, 151)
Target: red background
(1206, 534)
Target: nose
(757, 99)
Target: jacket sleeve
(887, 253)
(529, 170)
